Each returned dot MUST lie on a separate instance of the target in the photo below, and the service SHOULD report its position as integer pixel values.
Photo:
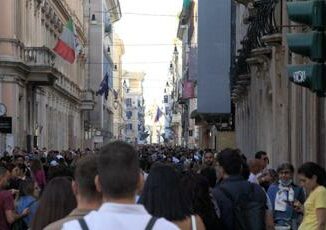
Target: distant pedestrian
(313, 178)
(8, 214)
(282, 195)
(56, 202)
(163, 197)
(88, 198)
(243, 204)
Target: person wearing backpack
(242, 204)
(118, 180)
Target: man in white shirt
(254, 167)
(118, 180)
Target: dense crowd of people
(157, 187)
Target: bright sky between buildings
(148, 29)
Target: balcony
(88, 100)
(40, 60)
(176, 118)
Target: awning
(221, 121)
(194, 114)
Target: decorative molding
(273, 39)
(67, 13)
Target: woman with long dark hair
(38, 173)
(162, 197)
(196, 190)
(313, 180)
(28, 195)
(56, 202)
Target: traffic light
(311, 44)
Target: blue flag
(104, 87)
(159, 113)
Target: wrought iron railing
(262, 22)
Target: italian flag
(66, 44)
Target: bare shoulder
(200, 223)
(163, 224)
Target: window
(128, 102)
(128, 126)
(129, 114)
(166, 99)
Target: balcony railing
(38, 56)
(262, 22)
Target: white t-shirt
(120, 216)
(253, 178)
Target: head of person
(162, 195)
(311, 175)
(4, 176)
(118, 171)
(254, 166)
(263, 158)
(230, 162)
(196, 191)
(56, 202)
(285, 173)
(19, 159)
(84, 180)
(36, 165)
(19, 171)
(209, 158)
(29, 187)
(274, 175)
(210, 174)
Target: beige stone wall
(50, 112)
(279, 117)
(118, 121)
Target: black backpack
(248, 213)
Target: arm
(200, 223)
(12, 216)
(321, 218)
(269, 220)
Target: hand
(298, 207)
(14, 191)
(25, 212)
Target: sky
(148, 29)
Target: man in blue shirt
(282, 196)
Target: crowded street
(162, 115)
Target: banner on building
(5, 124)
(188, 89)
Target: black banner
(5, 124)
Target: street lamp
(175, 52)
(93, 20)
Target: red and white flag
(66, 44)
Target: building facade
(273, 114)
(44, 95)
(102, 15)
(203, 87)
(119, 90)
(134, 106)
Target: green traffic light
(311, 76)
(311, 13)
(312, 44)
